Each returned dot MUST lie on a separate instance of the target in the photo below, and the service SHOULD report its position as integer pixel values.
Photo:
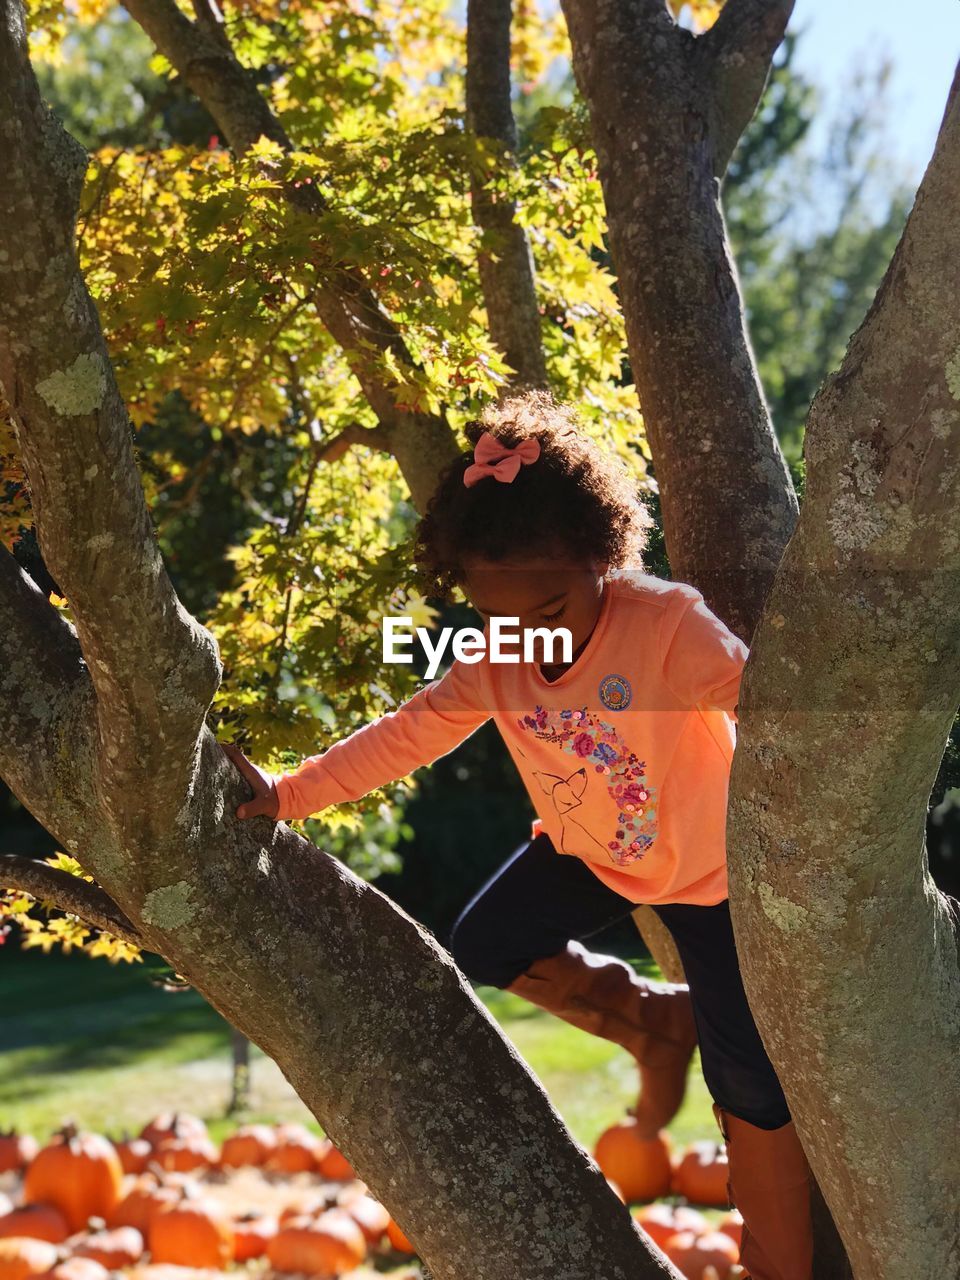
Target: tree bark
(658, 97)
(362, 1010)
(847, 702)
(728, 503)
(660, 943)
(506, 261)
(68, 893)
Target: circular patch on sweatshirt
(615, 692)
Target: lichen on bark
(77, 390)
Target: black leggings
(540, 899)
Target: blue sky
(922, 39)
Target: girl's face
(541, 591)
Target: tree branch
(210, 17)
(735, 56)
(47, 694)
(332, 450)
(506, 262)
(154, 668)
(347, 306)
(689, 351)
(68, 893)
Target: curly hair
(574, 498)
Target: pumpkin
(639, 1166)
(370, 1216)
(328, 1245)
(79, 1173)
(16, 1151)
(191, 1232)
(185, 1154)
(21, 1257)
(144, 1198)
(732, 1225)
(178, 1124)
(334, 1165)
(397, 1239)
(134, 1154)
(296, 1150)
(112, 1249)
(38, 1221)
(250, 1145)
(77, 1269)
(702, 1173)
(251, 1235)
(692, 1254)
(305, 1206)
(661, 1221)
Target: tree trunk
(847, 702)
(362, 1010)
(506, 262)
(239, 1073)
(664, 106)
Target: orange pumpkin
(305, 1206)
(328, 1245)
(251, 1235)
(732, 1226)
(296, 1150)
(185, 1154)
(38, 1221)
(79, 1173)
(333, 1164)
(144, 1198)
(22, 1258)
(639, 1166)
(191, 1232)
(112, 1249)
(702, 1173)
(250, 1145)
(661, 1221)
(16, 1151)
(134, 1154)
(397, 1239)
(370, 1216)
(77, 1269)
(177, 1124)
(692, 1254)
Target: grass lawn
(101, 1045)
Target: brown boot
(651, 1020)
(769, 1182)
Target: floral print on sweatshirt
(602, 751)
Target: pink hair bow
(491, 458)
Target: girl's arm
(701, 659)
(434, 721)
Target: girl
(625, 752)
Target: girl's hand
(265, 802)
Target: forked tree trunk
(362, 1010)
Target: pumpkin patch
(277, 1200)
(172, 1205)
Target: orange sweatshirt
(626, 756)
